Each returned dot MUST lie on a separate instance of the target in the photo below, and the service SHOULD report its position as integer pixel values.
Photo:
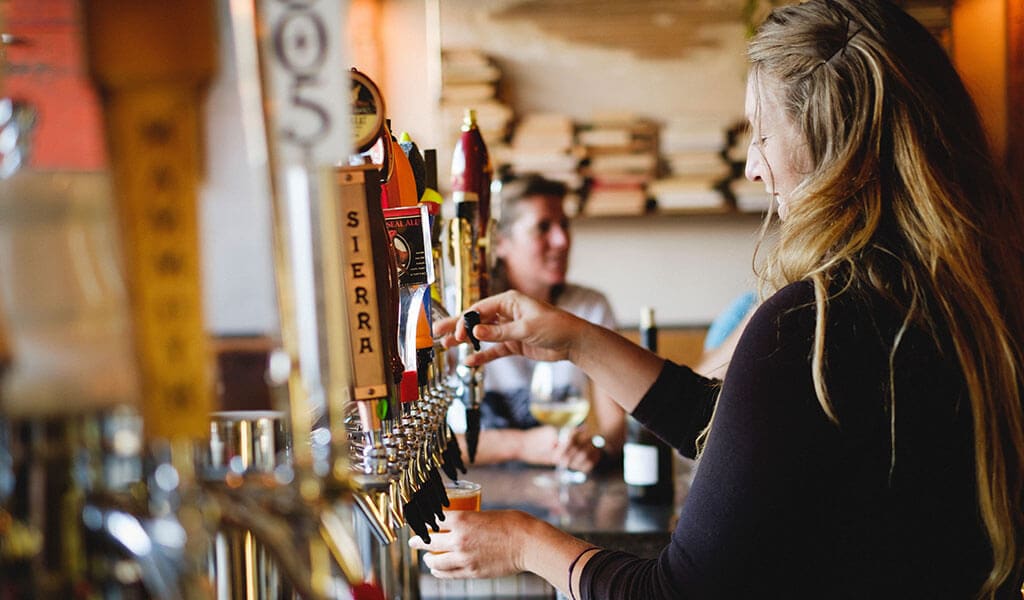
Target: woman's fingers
(479, 544)
(439, 541)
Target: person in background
(867, 440)
(723, 334)
(532, 251)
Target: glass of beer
(463, 495)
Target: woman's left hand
(476, 544)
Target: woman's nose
(752, 170)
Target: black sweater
(786, 503)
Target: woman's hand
(495, 543)
(516, 324)
(477, 544)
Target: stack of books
(545, 143)
(621, 160)
(679, 193)
(693, 153)
(470, 79)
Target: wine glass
(560, 410)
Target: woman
(868, 438)
(532, 249)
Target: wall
(665, 66)
(658, 61)
(687, 267)
(979, 51)
(45, 68)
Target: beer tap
(409, 226)
(439, 390)
(470, 241)
(305, 135)
(152, 92)
(71, 476)
(378, 447)
(367, 264)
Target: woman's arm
(518, 324)
(610, 420)
(496, 543)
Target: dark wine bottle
(647, 462)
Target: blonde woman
(868, 439)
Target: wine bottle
(647, 461)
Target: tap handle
(472, 318)
(367, 590)
(414, 517)
(373, 333)
(440, 495)
(429, 499)
(472, 431)
(452, 456)
(427, 502)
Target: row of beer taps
(171, 499)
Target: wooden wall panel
(1015, 94)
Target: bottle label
(639, 464)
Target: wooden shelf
(709, 213)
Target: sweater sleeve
(767, 433)
(678, 406)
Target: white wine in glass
(564, 412)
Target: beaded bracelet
(572, 566)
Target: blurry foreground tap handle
(152, 61)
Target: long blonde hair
(905, 199)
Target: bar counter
(597, 510)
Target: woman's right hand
(516, 324)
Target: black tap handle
(442, 496)
(447, 464)
(426, 501)
(472, 431)
(452, 458)
(415, 519)
(433, 498)
(472, 318)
